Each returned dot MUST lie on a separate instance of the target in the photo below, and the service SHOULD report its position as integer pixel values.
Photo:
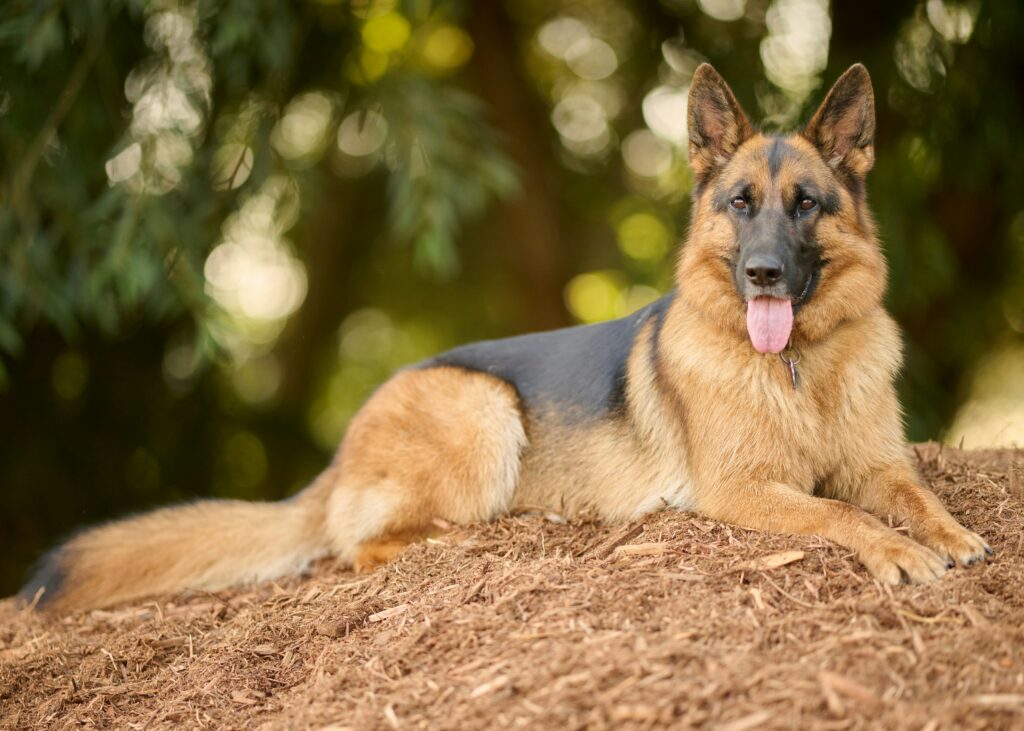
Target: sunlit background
(222, 225)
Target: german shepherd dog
(758, 392)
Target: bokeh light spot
(366, 66)
(179, 363)
(993, 416)
(633, 298)
(593, 296)
(69, 375)
(916, 55)
(559, 35)
(232, 164)
(447, 47)
(643, 236)
(302, 130)
(367, 335)
(592, 59)
(256, 277)
(256, 380)
(953, 21)
(726, 10)
(664, 111)
(582, 123)
(253, 275)
(124, 164)
(386, 33)
(795, 51)
(362, 133)
(645, 154)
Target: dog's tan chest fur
(745, 420)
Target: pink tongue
(769, 322)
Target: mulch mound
(671, 620)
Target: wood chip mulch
(669, 621)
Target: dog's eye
(807, 204)
(739, 203)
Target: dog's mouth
(770, 317)
(810, 286)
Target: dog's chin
(778, 291)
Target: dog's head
(781, 244)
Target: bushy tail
(205, 545)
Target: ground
(671, 620)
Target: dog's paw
(955, 543)
(896, 559)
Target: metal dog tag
(791, 362)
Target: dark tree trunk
(530, 222)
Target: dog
(758, 392)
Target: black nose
(763, 270)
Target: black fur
(777, 154)
(47, 574)
(575, 373)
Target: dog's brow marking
(779, 151)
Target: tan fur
(208, 545)
(709, 424)
(438, 443)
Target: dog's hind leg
(431, 443)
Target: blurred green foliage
(224, 222)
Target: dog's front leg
(777, 508)
(896, 491)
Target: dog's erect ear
(843, 128)
(717, 124)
